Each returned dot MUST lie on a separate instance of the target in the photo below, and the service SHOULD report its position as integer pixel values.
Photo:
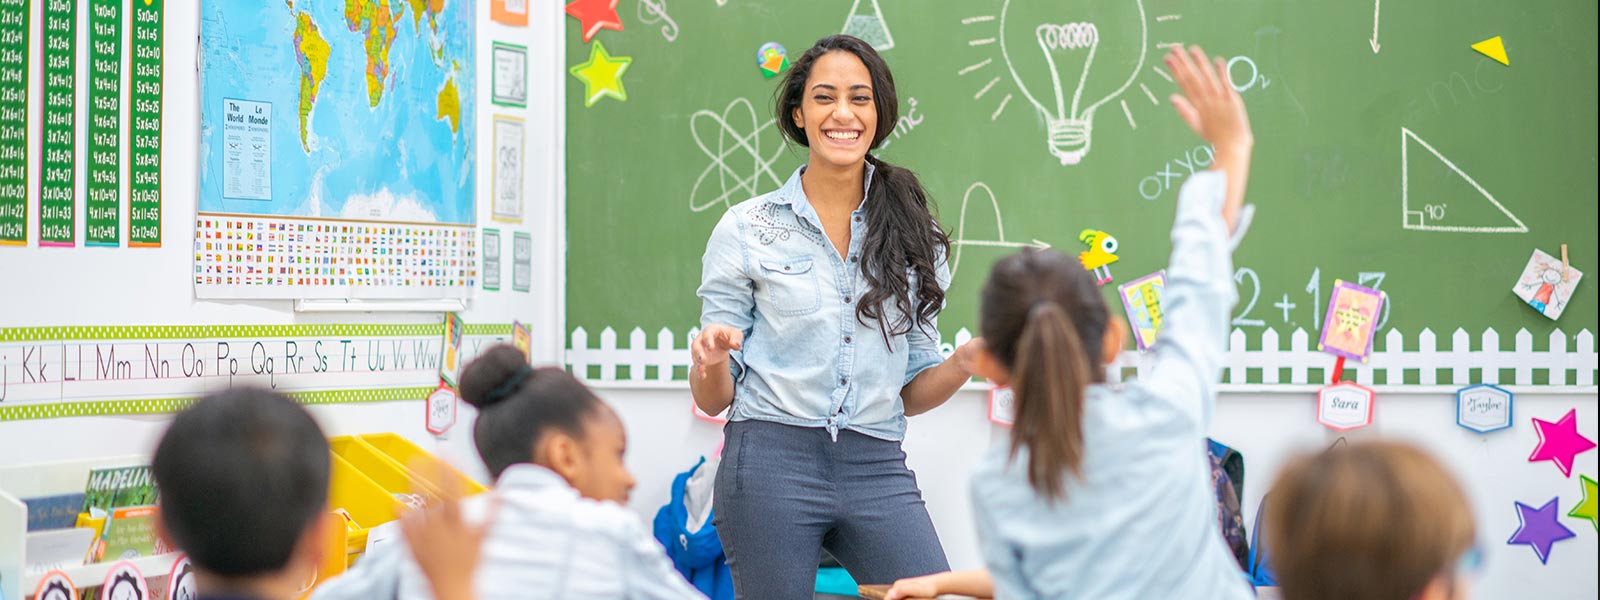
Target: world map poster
(338, 142)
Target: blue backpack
(1227, 475)
(1259, 570)
(1260, 567)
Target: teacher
(819, 307)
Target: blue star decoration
(1540, 530)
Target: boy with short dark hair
(243, 476)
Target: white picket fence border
(1570, 371)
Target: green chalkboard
(1387, 150)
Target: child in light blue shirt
(1103, 491)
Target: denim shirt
(1141, 520)
(770, 271)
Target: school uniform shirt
(770, 271)
(1141, 521)
(546, 542)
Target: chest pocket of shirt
(790, 285)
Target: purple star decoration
(1540, 530)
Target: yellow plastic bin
(368, 504)
(381, 469)
(405, 454)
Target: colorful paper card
(1141, 300)
(1547, 284)
(521, 339)
(509, 12)
(450, 367)
(1352, 321)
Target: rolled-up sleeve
(727, 294)
(924, 341)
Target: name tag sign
(1344, 406)
(1003, 406)
(441, 408)
(1483, 408)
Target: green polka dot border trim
(488, 329)
(172, 332)
(156, 406)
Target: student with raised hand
(558, 529)
(1375, 520)
(243, 476)
(1102, 491)
(820, 303)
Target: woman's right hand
(712, 347)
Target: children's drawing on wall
(1141, 300)
(1547, 284)
(1101, 253)
(1352, 321)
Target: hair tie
(509, 386)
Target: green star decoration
(1589, 508)
(602, 75)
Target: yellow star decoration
(1350, 320)
(1590, 507)
(602, 75)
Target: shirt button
(844, 380)
(858, 219)
(846, 299)
(786, 268)
(847, 339)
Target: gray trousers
(783, 493)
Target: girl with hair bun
(556, 526)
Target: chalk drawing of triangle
(1416, 220)
(870, 27)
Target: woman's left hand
(966, 356)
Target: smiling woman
(819, 317)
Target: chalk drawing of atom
(738, 160)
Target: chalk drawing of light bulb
(1070, 59)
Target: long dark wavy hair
(903, 236)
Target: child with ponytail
(1102, 491)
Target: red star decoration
(595, 15)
